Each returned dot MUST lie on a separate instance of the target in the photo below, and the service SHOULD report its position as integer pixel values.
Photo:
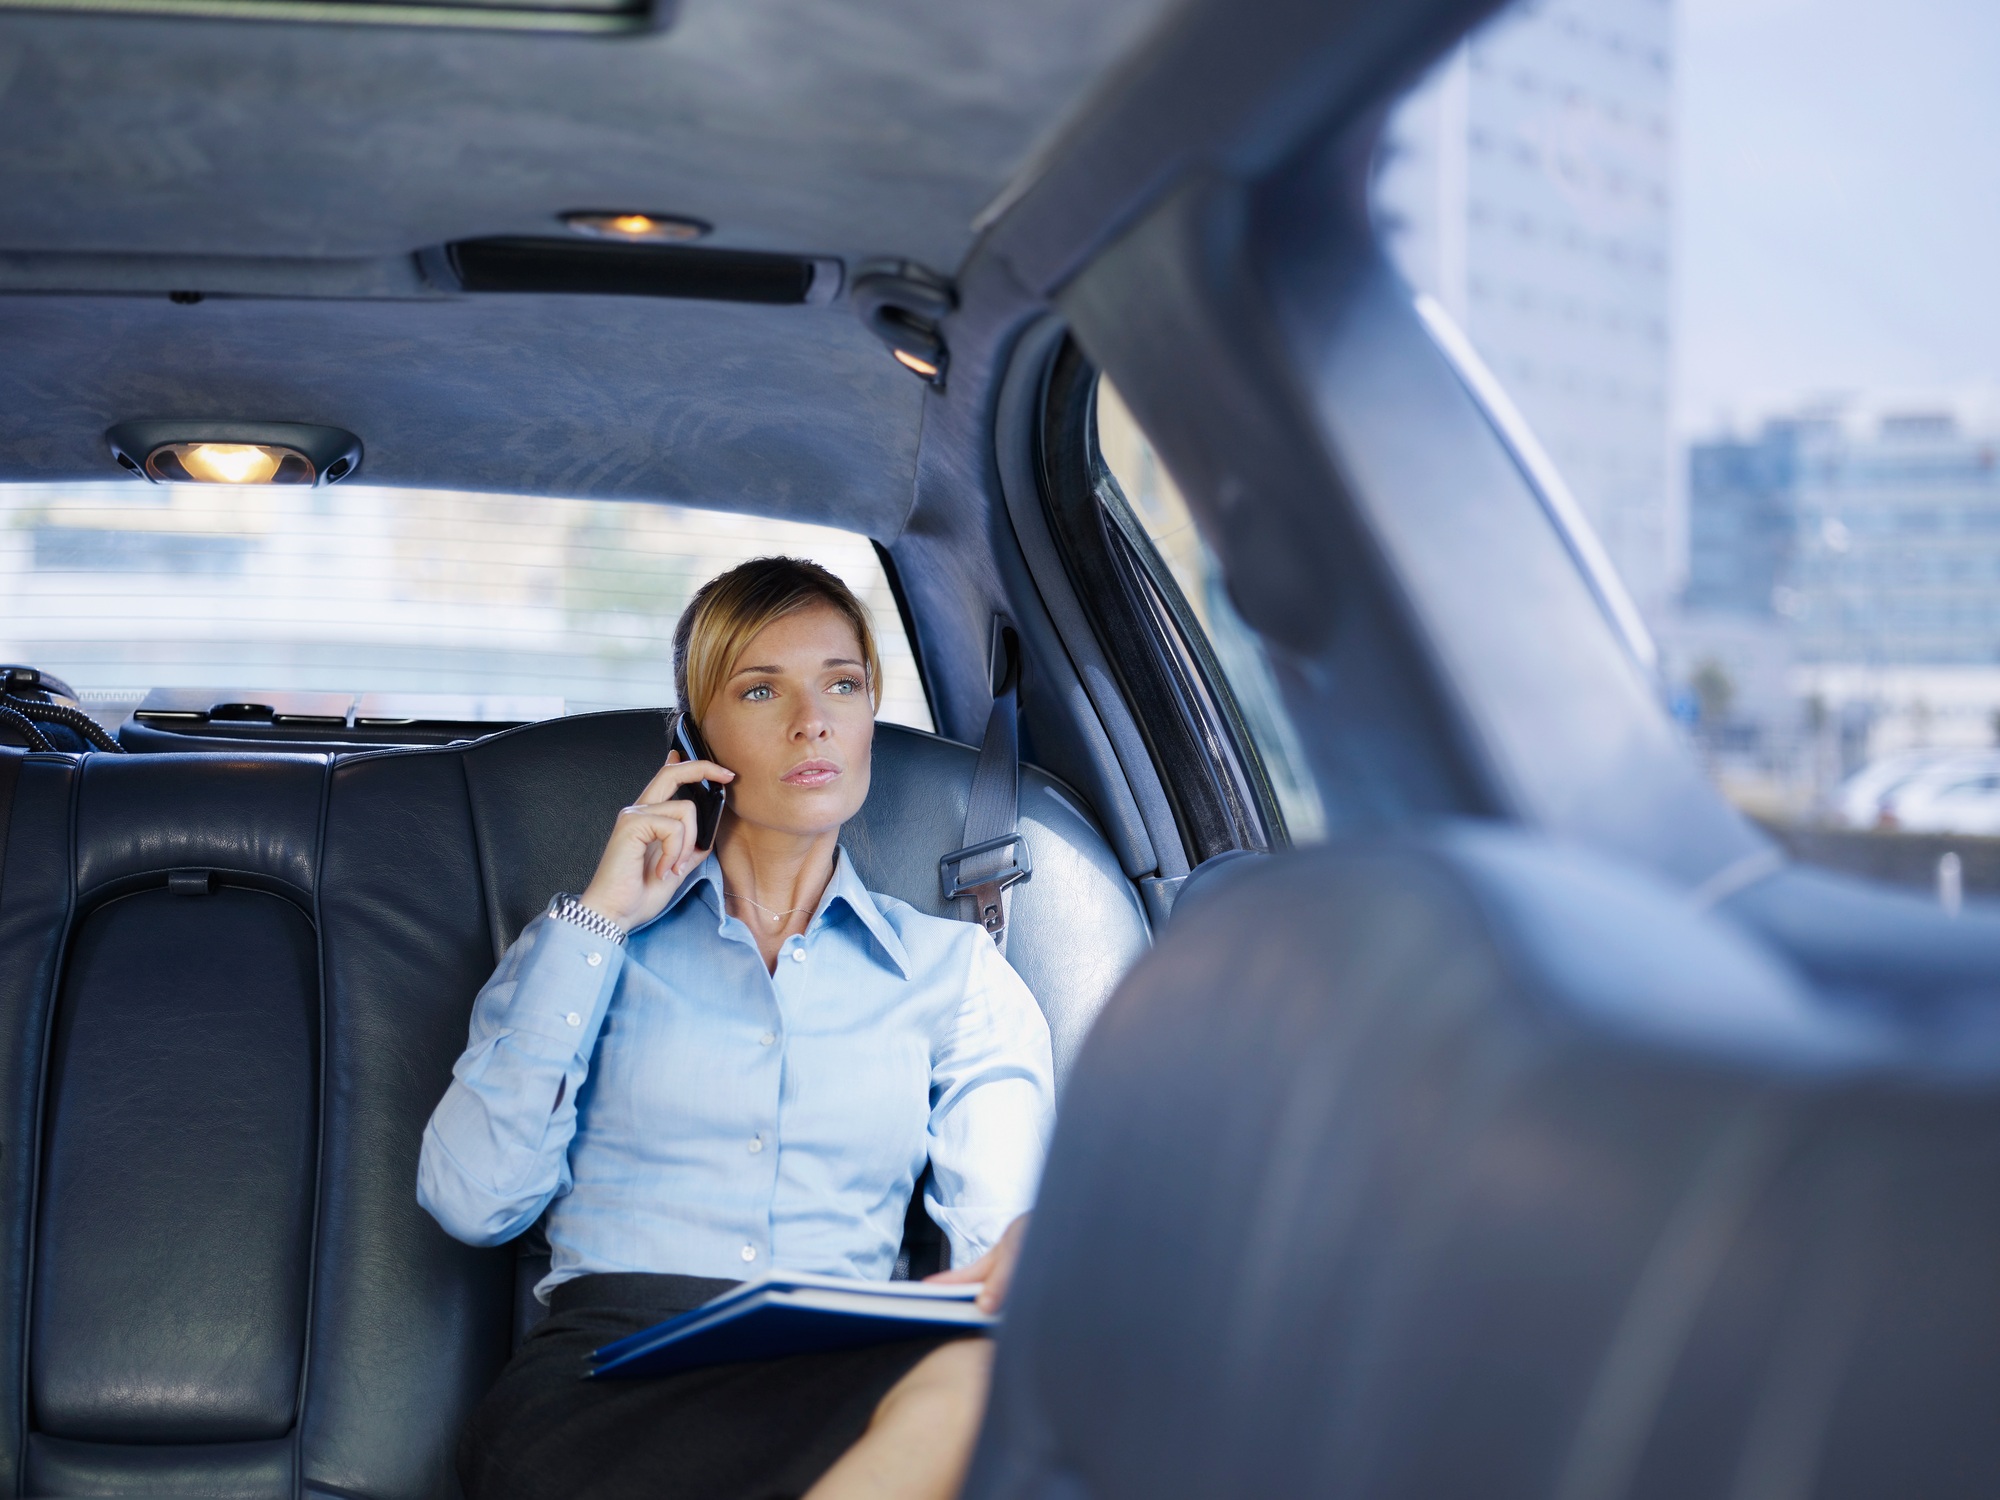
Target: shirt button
(574, 1019)
(799, 954)
(756, 1144)
(749, 1252)
(766, 1039)
(595, 959)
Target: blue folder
(791, 1313)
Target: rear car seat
(233, 989)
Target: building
(1864, 539)
(1878, 540)
(1896, 543)
(1741, 517)
(1525, 185)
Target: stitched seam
(73, 786)
(307, 1341)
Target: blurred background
(432, 603)
(1733, 260)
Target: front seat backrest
(1481, 1168)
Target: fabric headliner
(850, 128)
(793, 412)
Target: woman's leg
(919, 1442)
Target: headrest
(252, 816)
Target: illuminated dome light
(229, 463)
(232, 451)
(655, 229)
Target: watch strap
(570, 908)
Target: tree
(1714, 691)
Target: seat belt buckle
(986, 890)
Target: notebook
(791, 1312)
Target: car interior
(1516, 1122)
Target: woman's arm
(993, 1272)
(992, 1107)
(496, 1149)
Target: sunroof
(506, 15)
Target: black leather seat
(1475, 1167)
(233, 989)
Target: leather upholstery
(35, 871)
(1075, 926)
(180, 1134)
(1479, 1167)
(543, 800)
(247, 977)
(10, 772)
(214, 1471)
(409, 1326)
(255, 816)
(1884, 951)
(180, 1124)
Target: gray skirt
(757, 1431)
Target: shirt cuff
(565, 982)
(970, 1232)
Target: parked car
(1870, 797)
(1959, 794)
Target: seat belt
(994, 855)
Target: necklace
(775, 916)
(771, 912)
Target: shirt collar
(706, 875)
(845, 888)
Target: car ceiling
(307, 163)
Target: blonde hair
(727, 612)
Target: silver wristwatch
(568, 908)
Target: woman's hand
(652, 847)
(994, 1269)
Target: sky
(1838, 202)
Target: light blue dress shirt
(685, 1110)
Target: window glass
(1157, 502)
(529, 607)
(1730, 259)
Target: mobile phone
(706, 796)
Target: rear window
(482, 607)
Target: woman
(715, 1063)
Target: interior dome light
(234, 452)
(651, 228)
(229, 463)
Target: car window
(1180, 554)
(1725, 258)
(514, 607)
